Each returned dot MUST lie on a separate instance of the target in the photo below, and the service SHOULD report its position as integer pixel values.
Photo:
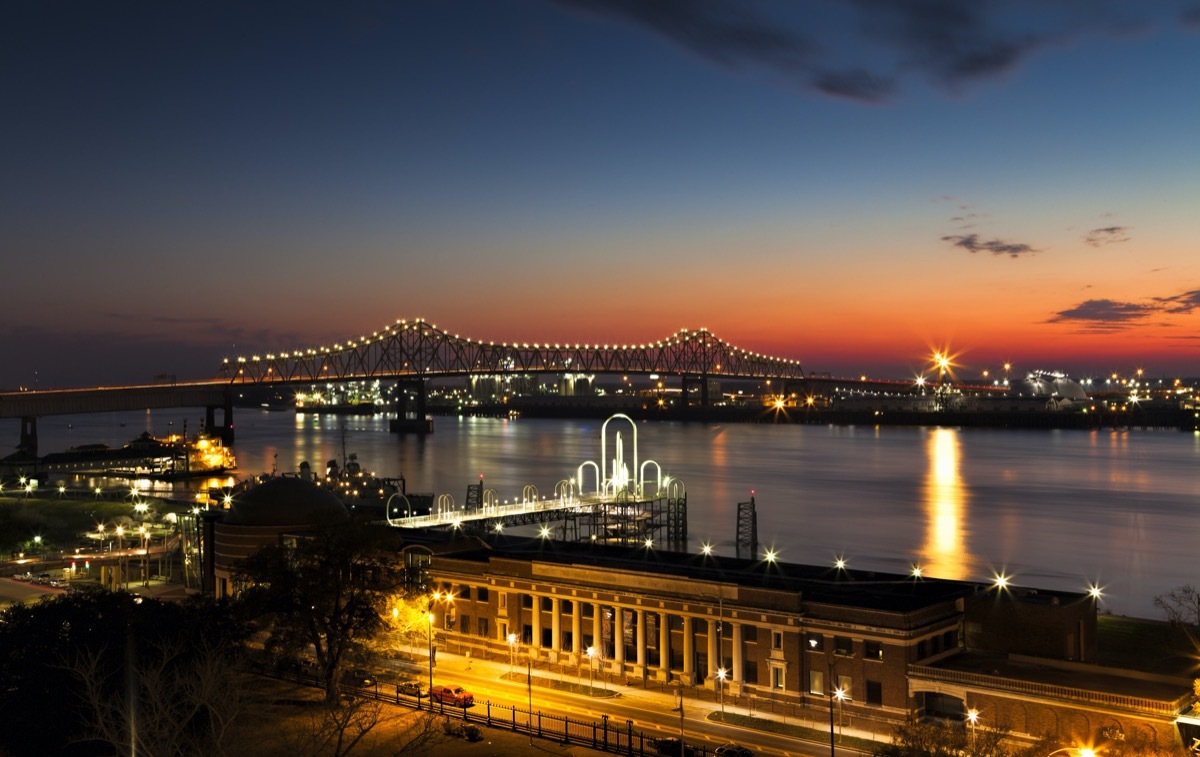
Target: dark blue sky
(848, 183)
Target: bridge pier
(692, 383)
(411, 413)
(29, 441)
(210, 418)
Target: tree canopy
(326, 595)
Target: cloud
(861, 49)
(1105, 313)
(1107, 235)
(1186, 302)
(972, 243)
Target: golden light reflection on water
(945, 553)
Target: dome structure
(1050, 385)
(286, 502)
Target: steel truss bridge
(418, 349)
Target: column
(641, 641)
(535, 621)
(714, 650)
(689, 652)
(556, 625)
(618, 639)
(738, 663)
(664, 647)
(576, 628)
(597, 628)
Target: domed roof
(286, 502)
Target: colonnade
(608, 625)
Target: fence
(605, 735)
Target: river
(1049, 509)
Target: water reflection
(944, 553)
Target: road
(652, 712)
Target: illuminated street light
(916, 571)
(591, 654)
(972, 719)
(721, 690)
(706, 549)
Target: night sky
(852, 184)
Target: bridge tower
(697, 384)
(411, 415)
(747, 529)
(210, 419)
(29, 442)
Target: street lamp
(840, 695)
(972, 720)
(145, 555)
(721, 690)
(121, 557)
(512, 653)
(591, 653)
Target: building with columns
(788, 637)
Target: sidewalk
(664, 698)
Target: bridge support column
(411, 415)
(29, 441)
(693, 383)
(210, 420)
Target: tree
(64, 654)
(927, 739)
(1181, 605)
(327, 595)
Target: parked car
(26, 576)
(412, 689)
(455, 695)
(734, 750)
(672, 747)
(358, 678)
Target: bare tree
(1181, 605)
(170, 703)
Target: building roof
(286, 502)
(870, 590)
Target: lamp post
(512, 653)
(591, 654)
(145, 555)
(721, 690)
(121, 557)
(972, 720)
(840, 695)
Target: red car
(455, 695)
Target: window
(816, 642)
(872, 650)
(464, 592)
(483, 626)
(750, 671)
(527, 601)
(777, 678)
(874, 692)
(750, 634)
(589, 610)
(481, 594)
(816, 682)
(565, 607)
(547, 604)
(949, 640)
(776, 640)
(845, 683)
(922, 653)
(843, 645)
(503, 600)
(464, 624)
